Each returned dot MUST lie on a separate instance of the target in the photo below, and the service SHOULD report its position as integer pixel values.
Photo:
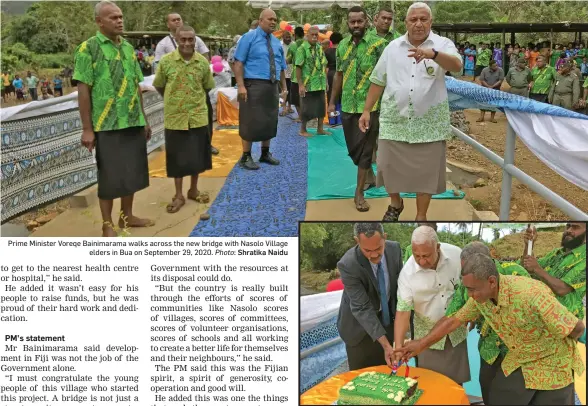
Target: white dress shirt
(429, 291)
(414, 107)
(169, 45)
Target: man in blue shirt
(58, 86)
(18, 87)
(259, 64)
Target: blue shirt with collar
(386, 276)
(252, 52)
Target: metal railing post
(320, 347)
(506, 188)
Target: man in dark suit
(369, 272)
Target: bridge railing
(509, 170)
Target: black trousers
(498, 389)
(368, 353)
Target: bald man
(260, 72)
(112, 115)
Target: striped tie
(272, 59)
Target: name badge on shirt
(430, 70)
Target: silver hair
(472, 248)
(99, 6)
(236, 39)
(479, 265)
(418, 5)
(424, 235)
(368, 229)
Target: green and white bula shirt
(414, 107)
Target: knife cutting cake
(374, 388)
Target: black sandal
(361, 207)
(393, 213)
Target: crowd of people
(31, 88)
(528, 312)
(547, 75)
(475, 59)
(387, 89)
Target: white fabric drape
(316, 309)
(561, 143)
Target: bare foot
(493, 121)
(323, 132)
(134, 222)
(108, 231)
(305, 134)
(480, 120)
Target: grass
(316, 281)
(512, 245)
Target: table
(438, 389)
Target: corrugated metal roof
(302, 5)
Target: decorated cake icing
(374, 388)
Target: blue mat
(268, 202)
(332, 174)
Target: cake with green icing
(373, 388)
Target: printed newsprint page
(156, 321)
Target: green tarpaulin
(332, 175)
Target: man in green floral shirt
(382, 22)
(490, 345)
(357, 56)
(311, 73)
(483, 59)
(543, 77)
(183, 78)
(540, 334)
(291, 59)
(113, 120)
(564, 268)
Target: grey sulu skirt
(411, 168)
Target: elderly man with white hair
(414, 114)
(426, 285)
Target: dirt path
(525, 204)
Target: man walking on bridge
(357, 56)
(414, 117)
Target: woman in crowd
(470, 60)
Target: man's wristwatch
(435, 55)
